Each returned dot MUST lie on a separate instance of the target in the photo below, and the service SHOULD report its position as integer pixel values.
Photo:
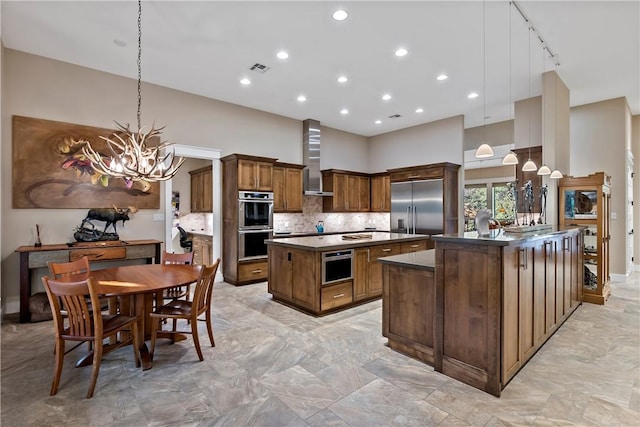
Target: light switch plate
(158, 217)
(614, 215)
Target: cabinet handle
(338, 296)
(413, 176)
(549, 251)
(386, 250)
(368, 255)
(524, 263)
(257, 270)
(414, 246)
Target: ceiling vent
(259, 68)
(395, 116)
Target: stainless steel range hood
(311, 158)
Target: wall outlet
(614, 215)
(158, 217)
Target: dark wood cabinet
(287, 188)
(351, 191)
(202, 189)
(497, 304)
(254, 174)
(241, 172)
(408, 311)
(295, 276)
(380, 192)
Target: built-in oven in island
(251, 243)
(255, 210)
(337, 266)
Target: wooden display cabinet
(586, 201)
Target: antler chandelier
(131, 156)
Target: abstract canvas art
(50, 170)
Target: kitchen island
(325, 273)
(482, 307)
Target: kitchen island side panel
(468, 302)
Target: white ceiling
(206, 47)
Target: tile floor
(274, 366)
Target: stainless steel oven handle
(255, 230)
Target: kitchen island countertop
(421, 260)
(501, 237)
(336, 241)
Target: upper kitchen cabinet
(380, 192)
(287, 187)
(254, 173)
(202, 189)
(351, 191)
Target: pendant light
(544, 170)
(556, 174)
(132, 155)
(510, 158)
(529, 165)
(484, 150)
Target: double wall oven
(255, 224)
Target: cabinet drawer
(336, 295)
(252, 271)
(98, 254)
(414, 246)
(384, 250)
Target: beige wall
(435, 142)
(527, 126)
(35, 86)
(598, 143)
(494, 134)
(343, 150)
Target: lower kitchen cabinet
(408, 311)
(336, 295)
(202, 249)
(252, 271)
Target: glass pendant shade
(529, 166)
(556, 174)
(510, 159)
(484, 151)
(544, 170)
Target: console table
(32, 257)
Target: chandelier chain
(139, 62)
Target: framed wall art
(50, 170)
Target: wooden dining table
(135, 286)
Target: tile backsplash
(312, 213)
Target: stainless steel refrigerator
(417, 207)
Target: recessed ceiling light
(344, 111)
(472, 95)
(245, 81)
(378, 122)
(419, 110)
(340, 15)
(120, 43)
(302, 98)
(401, 52)
(442, 77)
(386, 97)
(282, 54)
(342, 79)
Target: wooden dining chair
(84, 324)
(189, 310)
(178, 291)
